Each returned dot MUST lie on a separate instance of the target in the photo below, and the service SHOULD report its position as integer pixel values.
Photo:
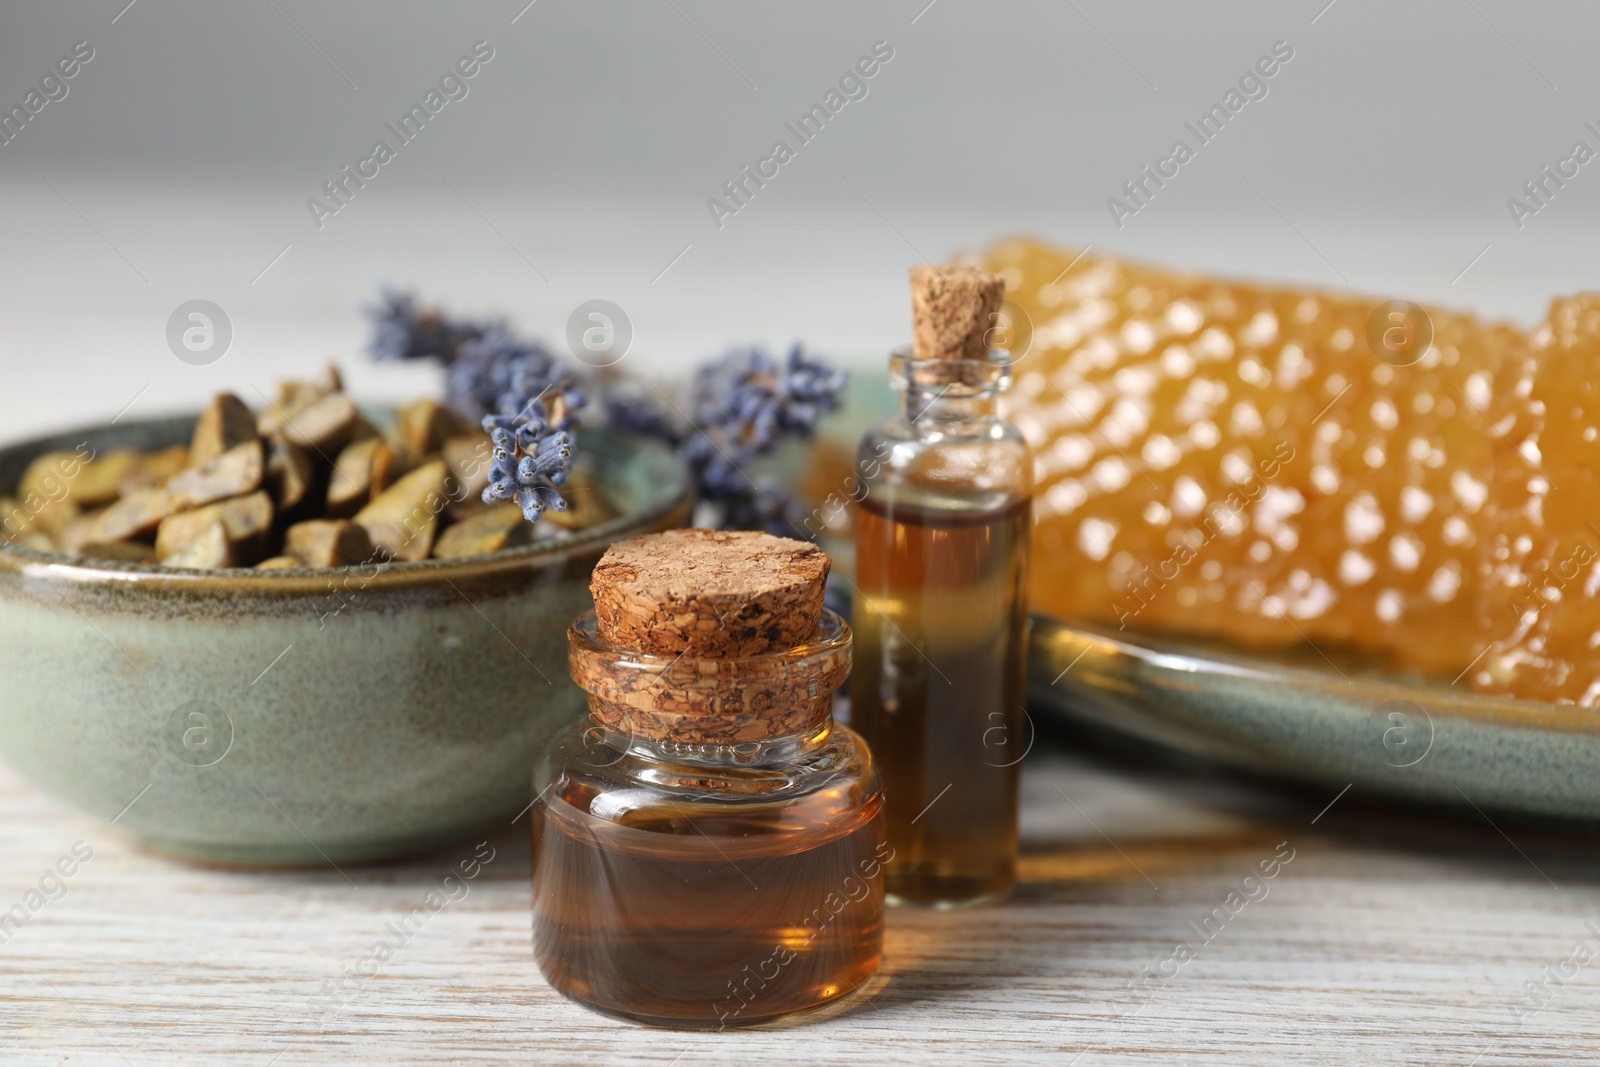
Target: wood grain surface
(1390, 936)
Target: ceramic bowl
(1298, 716)
(308, 716)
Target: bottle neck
(724, 711)
(939, 408)
(950, 397)
(766, 752)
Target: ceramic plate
(1330, 723)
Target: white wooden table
(1391, 936)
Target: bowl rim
(1050, 638)
(676, 498)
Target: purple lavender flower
(489, 370)
(402, 330)
(764, 505)
(745, 405)
(530, 461)
(497, 373)
(637, 413)
(521, 393)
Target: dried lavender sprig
(489, 370)
(636, 413)
(743, 406)
(530, 461)
(401, 329)
(500, 374)
(766, 506)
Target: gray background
(578, 167)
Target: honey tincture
(708, 845)
(942, 524)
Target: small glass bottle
(942, 524)
(708, 847)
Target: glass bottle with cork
(942, 524)
(708, 847)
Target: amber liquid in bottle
(680, 914)
(938, 690)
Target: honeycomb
(1237, 461)
(1544, 568)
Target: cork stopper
(952, 310)
(709, 593)
(710, 637)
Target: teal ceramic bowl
(1301, 717)
(303, 716)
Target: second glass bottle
(940, 618)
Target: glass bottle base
(826, 1007)
(945, 893)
